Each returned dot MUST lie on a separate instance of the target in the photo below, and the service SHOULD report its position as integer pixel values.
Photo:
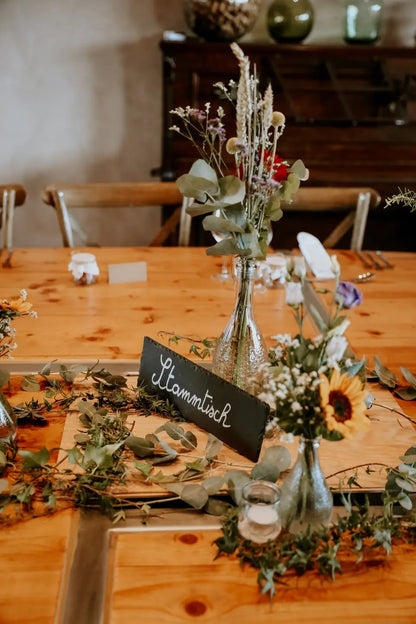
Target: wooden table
(167, 573)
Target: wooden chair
(11, 195)
(65, 196)
(355, 201)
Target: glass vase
(362, 21)
(223, 20)
(290, 21)
(241, 348)
(8, 425)
(306, 500)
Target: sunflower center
(341, 404)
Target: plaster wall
(81, 99)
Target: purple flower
(348, 295)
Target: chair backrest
(11, 195)
(355, 201)
(65, 196)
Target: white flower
(335, 348)
(294, 294)
(339, 329)
(335, 265)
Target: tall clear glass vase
(8, 425)
(241, 347)
(306, 499)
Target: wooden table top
(108, 322)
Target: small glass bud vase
(362, 21)
(259, 519)
(241, 348)
(306, 499)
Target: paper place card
(315, 256)
(127, 272)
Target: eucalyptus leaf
(30, 383)
(405, 502)
(4, 485)
(405, 485)
(235, 480)
(68, 373)
(196, 209)
(273, 209)
(194, 495)
(213, 223)
(213, 447)
(216, 507)
(232, 190)
(299, 169)
(411, 379)
(171, 454)
(140, 446)
(406, 394)
(4, 377)
(265, 471)
(226, 247)
(213, 484)
(386, 376)
(278, 455)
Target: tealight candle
(259, 519)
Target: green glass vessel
(290, 21)
(362, 21)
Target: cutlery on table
(376, 264)
(363, 277)
(366, 264)
(387, 264)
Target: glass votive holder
(84, 268)
(259, 519)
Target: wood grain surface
(159, 577)
(171, 577)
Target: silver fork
(374, 260)
(387, 264)
(365, 263)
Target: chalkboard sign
(232, 415)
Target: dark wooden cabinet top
(351, 110)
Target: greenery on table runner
(106, 452)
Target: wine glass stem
(224, 267)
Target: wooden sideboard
(351, 117)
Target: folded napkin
(315, 256)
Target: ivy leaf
(144, 468)
(194, 495)
(74, 455)
(198, 465)
(30, 383)
(34, 460)
(102, 456)
(386, 376)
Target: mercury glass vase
(306, 499)
(241, 348)
(221, 20)
(8, 425)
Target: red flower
(278, 166)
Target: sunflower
(343, 403)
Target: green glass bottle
(362, 21)
(290, 21)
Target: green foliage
(389, 380)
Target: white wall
(80, 98)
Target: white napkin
(315, 256)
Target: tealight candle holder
(84, 268)
(259, 519)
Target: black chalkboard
(232, 415)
